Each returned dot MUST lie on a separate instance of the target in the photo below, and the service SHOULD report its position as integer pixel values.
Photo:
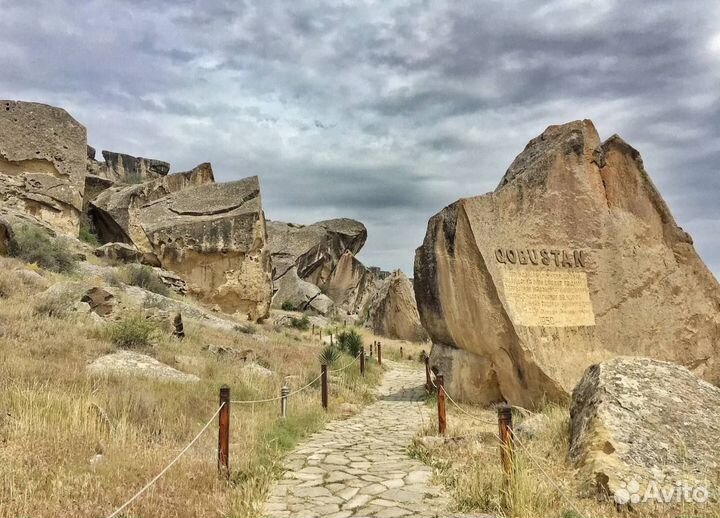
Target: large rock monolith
(42, 164)
(574, 258)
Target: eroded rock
(392, 311)
(573, 259)
(644, 420)
(42, 163)
(129, 363)
(212, 235)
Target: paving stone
(359, 466)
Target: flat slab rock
(129, 363)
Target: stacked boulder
(573, 259)
(392, 310)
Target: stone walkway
(359, 466)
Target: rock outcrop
(636, 422)
(213, 235)
(573, 259)
(42, 164)
(307, 255)
(392, 310)
(122, 168)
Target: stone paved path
(359, 466)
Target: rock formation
(304, 256)
(392, 310)
(213, 235)
(42, 164)
(573, 259)
(122, 168)
(647, 421)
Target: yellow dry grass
(80, 446)
(544, 485)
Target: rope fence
(506, 437)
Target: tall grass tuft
(350, 342)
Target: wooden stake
(324, 386)
(379, 351)
(428, 379)
(224, 432)
(362, 361)
(442, 417)
(507, 454)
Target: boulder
(212, 235)
(6, 236)
(129, 363)
(99, 301)
(639, 422)
(574, 258)
(120, 252)
(302, 295)
(392, 311)
(42, 163)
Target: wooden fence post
(313, 330)
(401, 352)
(362, 362)
(379, 351)
(284, 392)
(371, 349)
(224, 432)
(507, 454)
(442, 417)
(428, 379)
(324, 386)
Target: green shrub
(88, 236)
(144, 277)
(33, 245)
(329, 355)
(246, 329)
(300, 323)
(287, 306)
(350, 342)
(132, 331)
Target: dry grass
(74, 445)
(544, 485)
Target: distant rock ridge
(573, 259)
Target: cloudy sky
(384, 111)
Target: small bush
(287, 306)
(329, 355)
(350, 342)
(246, 329)
(32, 245)
(144, 277)
(88, 236)
(300, 323)
(132, 331)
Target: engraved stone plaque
(543, 298)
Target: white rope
(346, 366)
(473, 416)
(157, 477)
(246, 402)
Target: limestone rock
(120, 167)
(392, 311)
(255, 369)
(302, 295)
(42, 163)
(129, 363)
(121, 252)
(644, 420)
(212, 235)
(99, 301)
(573, 259)
(6, 236)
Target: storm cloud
(384, 111)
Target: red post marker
(442, 417)
(224, 432)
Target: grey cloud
(384, 112)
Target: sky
(383, 111)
